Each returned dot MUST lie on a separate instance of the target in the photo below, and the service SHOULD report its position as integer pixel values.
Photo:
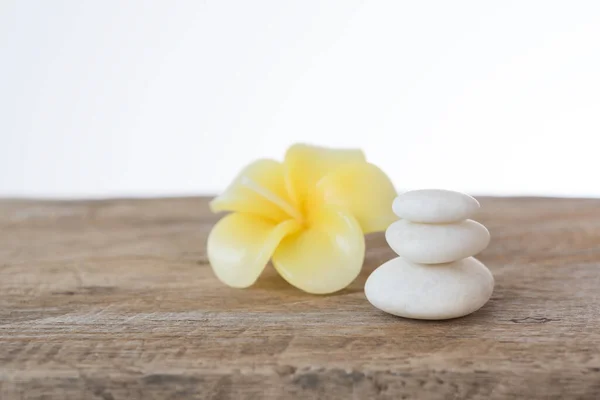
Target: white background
(134, 98)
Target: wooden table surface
(115, 300)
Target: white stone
(419, 291)
(433, 244)
(434, 206)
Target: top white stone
(434, 206)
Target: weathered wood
(114, 300)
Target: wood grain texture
(114, 300)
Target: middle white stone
(435, 244)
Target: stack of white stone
(435, 276)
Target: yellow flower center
(276, 200)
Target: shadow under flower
(270, 280)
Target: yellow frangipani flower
(308, 215)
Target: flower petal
(240, 245)
(258, 189)
(306, 164)
(362, 189)
(324, 257)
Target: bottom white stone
(430, 291)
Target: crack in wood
(533, 320)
